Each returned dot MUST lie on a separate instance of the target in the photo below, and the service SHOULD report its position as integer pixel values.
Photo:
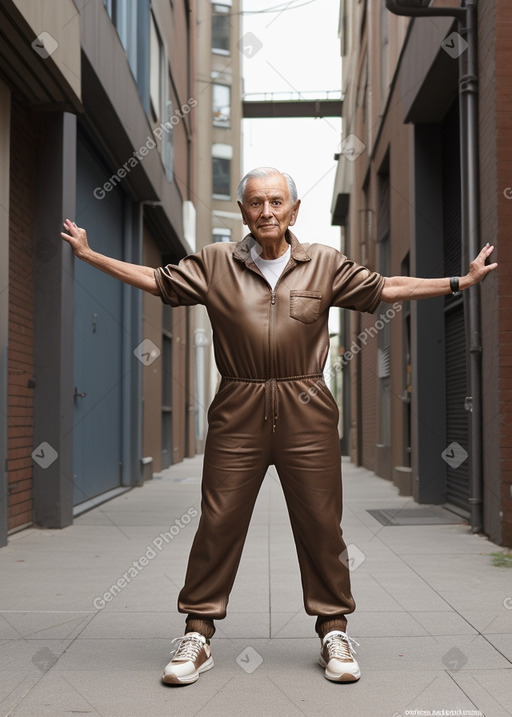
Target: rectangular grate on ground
(433, 515)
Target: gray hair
(266, 172)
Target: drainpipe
(466, 15)
(468, 102)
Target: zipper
(272, 368)
(271, 340)
(271, 320)
(271, 391)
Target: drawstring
(271, 392)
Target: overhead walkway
(292, 104)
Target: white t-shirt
(271, 268)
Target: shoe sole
(344, 677)
(188, 679)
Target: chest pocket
(305, 305)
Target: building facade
(96, 124)
(397, 199)
(218, 161)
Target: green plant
(501, 560)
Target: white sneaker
(191, 657)
(337, 656)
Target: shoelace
(188, 649)
(341, 646)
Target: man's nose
(267, 212)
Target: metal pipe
(425, 8)
(468, 99)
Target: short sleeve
(185, 283)
(356, 287)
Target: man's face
(267, 208)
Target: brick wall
(489, 198)
(503, 61)
(21, 321)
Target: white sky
(297, 49)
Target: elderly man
(268, 299)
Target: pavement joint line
(82, 696)
(451, 675)
(287, 697)
(480, 685)
(23, 696)
(425, 688)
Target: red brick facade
(21, 319)
(503, 113)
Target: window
(221, 178)
(221, 29)
(168, 144)
(124, 16)
(160, 104)
(221, 171)
(131, 20)
(221, 101)
(221, 234)
(156, 63)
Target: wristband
(454, 285)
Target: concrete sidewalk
(87, 614)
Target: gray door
(457, 418)
(97, 440)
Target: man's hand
(77, 238)
(142, 277)
(407, 288)
(478, 269)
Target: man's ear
(295, 211)
(242, 212)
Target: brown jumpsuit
(270, 349)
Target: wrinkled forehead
(271, 187)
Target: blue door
(97, 440)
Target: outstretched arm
(142, 277)
(405, 288)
